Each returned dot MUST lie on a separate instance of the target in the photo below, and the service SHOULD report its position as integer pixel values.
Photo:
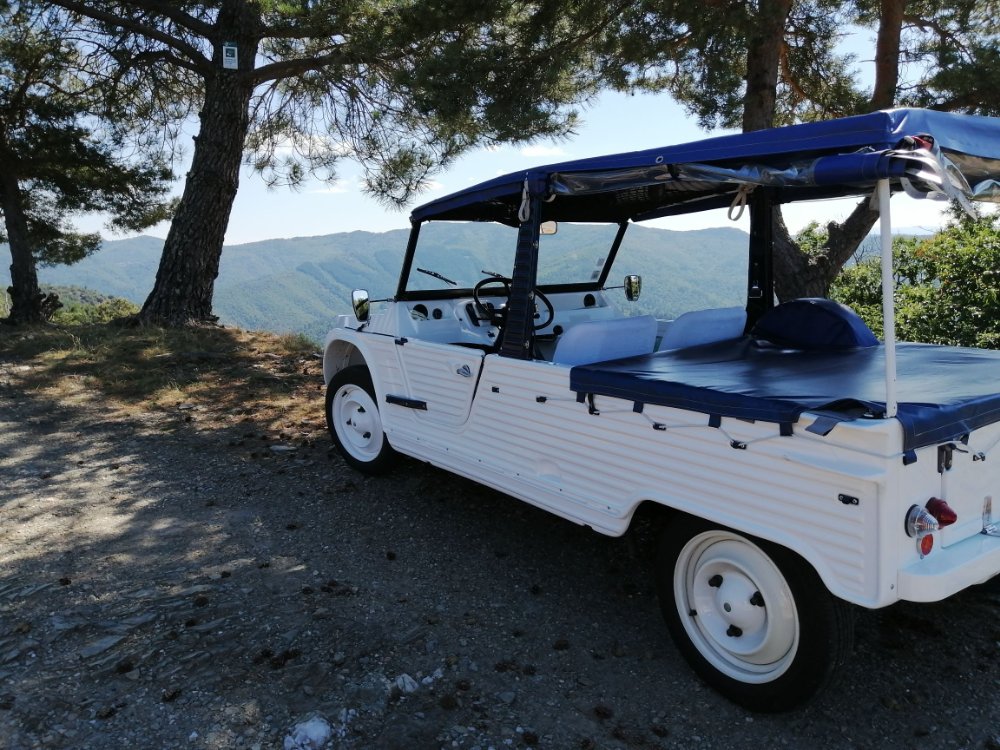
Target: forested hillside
(300, 284)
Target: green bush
(947, 286)
(79, 313)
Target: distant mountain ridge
(301, 284)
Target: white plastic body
(838, 500)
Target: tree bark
(890, 30)
(793, 270)
(763, 60)
(189, 265)
(26, 297)
(805, 275)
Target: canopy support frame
(888, 298)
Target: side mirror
(359, 299)
(633, 286)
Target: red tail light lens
(941, 511)
(926, 544)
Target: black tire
(769, 635)
(353, 418)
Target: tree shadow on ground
(165, 572)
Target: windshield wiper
(494, 274)
(436, 275)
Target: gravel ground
(168, 580)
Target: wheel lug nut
(715, 581)
(734, 632)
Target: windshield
(454, 256)
(575, 254)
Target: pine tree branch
(789, 77)
(844, 238)
(197, 61)
(587, 34)
(926, 24)
(170, 10)
(152, 56)
(288, 68)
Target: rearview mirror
(633, 286)
(359, 299)
(548, 227)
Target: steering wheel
(497, 316)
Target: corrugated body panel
(436, 374)
(380, 354)
(596, 469)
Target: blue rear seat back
(813, 323)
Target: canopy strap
(739, 203)
(715, 422)
(524, 212)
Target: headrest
(813, 323)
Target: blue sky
(614, 122)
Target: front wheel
(354, 421)
(751, 618)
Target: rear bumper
(947, 571)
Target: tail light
(920, 522)
(925, 544)
(941, 511)
(922, 525)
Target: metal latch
(946, 453)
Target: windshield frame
(403, 294)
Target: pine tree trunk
(763, 60)
(189, 265)
(890, 31)
(798, 274)
(26, 297)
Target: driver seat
(602, 340)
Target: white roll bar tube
(888, 300)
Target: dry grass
(222, 373)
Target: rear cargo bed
(944, 392)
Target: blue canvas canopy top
(920, 151)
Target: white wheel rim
(747, 637)
(355, 418)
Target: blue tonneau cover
(945, 392)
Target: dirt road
(169, 580)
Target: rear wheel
(354, 421)
(752, 618)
